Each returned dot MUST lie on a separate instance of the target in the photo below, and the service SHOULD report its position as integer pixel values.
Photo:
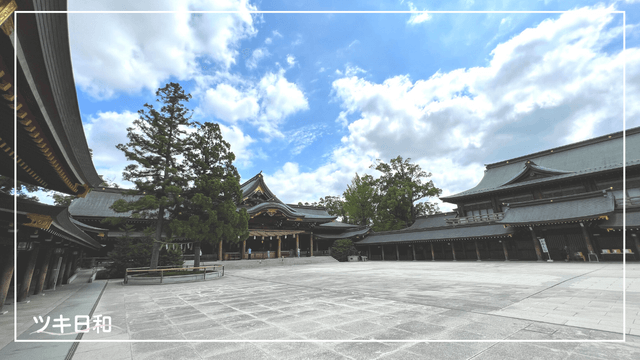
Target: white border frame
(624, 174)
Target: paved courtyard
(385, 309)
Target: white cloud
(417, 18)
(321, 70)
(104, 131)
(265, 104)
(291, 60)
(256, 56)
(559, 70)
(280, 98)
(231, 105)
(338, 72)
(239, 144)
(129, 52)
(276, 33)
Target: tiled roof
(431, 221)
(590, 156)
(338, 225)
(344, 235)
(62, 224)
(561, 209)
(448, 233)
(98, 201)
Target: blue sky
(311, 99)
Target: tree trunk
(196, 254)
(155, 252)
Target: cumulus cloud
(140, 51)
(104, 131)
(239, 144)
(265, 104)
(563, 69)
(256, 56)
(229, 104)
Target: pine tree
(156, 142)
(209, 212)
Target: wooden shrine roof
(592, 156)
(51, 149)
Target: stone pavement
(77, 298)
(385, 309)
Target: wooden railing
(162, 269)
(475, 219)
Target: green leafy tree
(341, 249)
(360, 200)
(156, 141)
(62, 200)
(208, 212)
(401, 185)
(335, 207)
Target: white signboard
(544, 245)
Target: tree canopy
(156, 142)
(390, 201)
(360, 200)
(208, 211)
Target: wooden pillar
(504, 248)
(244, 249)
(397, 253)
(587, 239)
(220, 250)
(369, 252)
(279, 253)
(453, 251)
(44, 269)
(477, 249)
(637, 243)
(464, 250)
(413, 248)
(28, 275)
(53, 271)
(7, 274)
(297, 244)
(433, 254)
(69, 270)
(63, 267)
(196, 254)
(311, 244)
(382, 251)
(536, 244)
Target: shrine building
(276, 229)
(51, 152)
(565, 201)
